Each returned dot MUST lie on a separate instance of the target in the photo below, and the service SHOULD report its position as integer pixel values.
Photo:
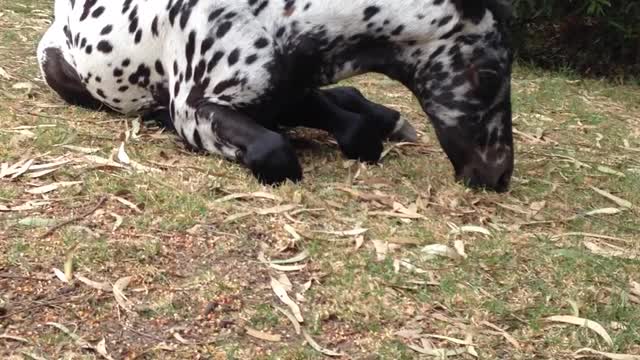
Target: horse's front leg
(221, 130)
(357, 137)
(391, 123)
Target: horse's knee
(64, 79)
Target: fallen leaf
(100, 161)
(608, 250)
(382, 248)
(41, 173)
(619, 201)
(259, 195)
(604, 211)
(438, 353)
(458, 245)
(504, 334)
(608, 355)
(80, 149)
(118, 222)
(276, 210)
(37, 222)
(293, 232)
(435, 250)
(610, 171)
(345, 233)
(30, 205)
(51, 187)
(635, 287)
(103, 286)
(82, 342)
(4, 74)
(127, 203)
(14, 338)
(449, 339)
(262, 335)
(118, 293)
(281, 293)
(292, 319)
(319, 348)
(122, 155)
(22, 169)
(468, 229)
(591, 325)
(300, 257)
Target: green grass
(194, 272)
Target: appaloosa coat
(229, 72)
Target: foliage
(591, 35)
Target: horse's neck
(370, 28)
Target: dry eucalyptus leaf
(608, 250)
(292, 319)
(80, 149)
(635, 287)
(293, 232)
(100, 349)
(281, 292)
(51, 187)
(118, 293)
(435, 250)
(127, 203)
(14, 338)
(119, 220)
(345, 233)
(619, 201)
(468, 229)
(60, 275)
(504, 334)
(300, 257)
(319, 348)
(276, 210)
(100, 161)
(103, 286)
(604, 211)
(611, 356)
(258, 195)
(4, 74)
(262, 335)
(37, 222)
(591, 325)
(458, 245)
(22, 169)
(609, 171)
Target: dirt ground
(118, 243)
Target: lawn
(161, 253)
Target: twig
(75, 218)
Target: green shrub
(594, 36)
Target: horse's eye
(486, 80)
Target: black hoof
(404, 132)
(362, 141)
(272, 160)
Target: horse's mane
(475, 9)
(501, 9)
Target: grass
(193, 260)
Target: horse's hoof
(403, 132)
(272, 160)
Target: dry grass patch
(162, 253)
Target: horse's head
(463, 81)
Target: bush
(599, 37)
